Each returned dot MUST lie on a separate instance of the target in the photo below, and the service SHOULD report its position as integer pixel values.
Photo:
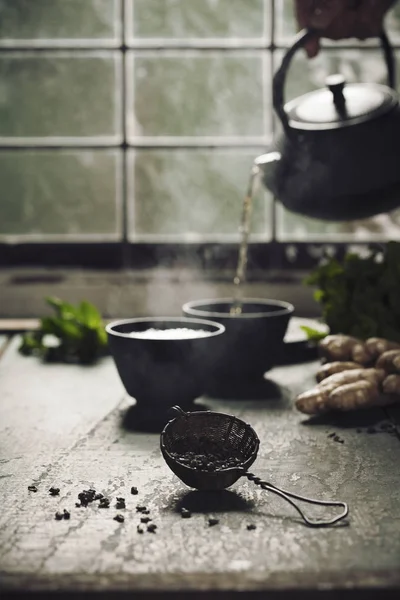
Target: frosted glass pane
(293, 227)
(198, 19)
(285, 24)
(193, 192)
(192, 94)
(393, 23)
(58, 19)
(53, 95)
(59, 192)
(304, 76)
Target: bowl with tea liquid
(253, 341)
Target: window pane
(193, 94)
(285, 25)
(52, 95)
(304, 76)
(393, 23)
(293, 227)
(60, 192)
(188, 19)
(44, 20)
(193, 192)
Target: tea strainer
(209, 450)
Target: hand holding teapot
(337, 157)
(339, 19)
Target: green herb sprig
(360, 296)
(75, 334)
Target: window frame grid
(142, 251)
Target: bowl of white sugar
(163, 361)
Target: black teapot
(338, 156)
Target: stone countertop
(67, 426)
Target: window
(128, 129)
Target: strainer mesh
(219, 430)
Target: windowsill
(126, 293)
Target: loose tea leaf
(119, 518)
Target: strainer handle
(288, 495)
(177, 410)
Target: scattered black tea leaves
(53, 491)
(151, 528)
(32, 488)
(59, 516)
(141, 508)
(87, 496)
(140, 529)
(99, 496)
(104, 503)
(206, 455)
(119, 518)
(338, 439)
(388, 428)
(185, 513)
(251, 526)
(145, 519)
(120, 504)
(134, 491)
(66, 514)
(212, 521)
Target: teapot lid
(340, 105)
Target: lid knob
(336, 85)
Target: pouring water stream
(244, 230)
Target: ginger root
(391, 384)
(345, 390)
(334, 367)
(361, 354)
(389, 361)
(356, 374)
(359, 394)
(314, 401)
(344, 348)
(337, 347)
(377, 346)
(375, 376)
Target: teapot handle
(301, 39)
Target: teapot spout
(267, 165)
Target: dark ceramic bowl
(159, 373)
(253, 341)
